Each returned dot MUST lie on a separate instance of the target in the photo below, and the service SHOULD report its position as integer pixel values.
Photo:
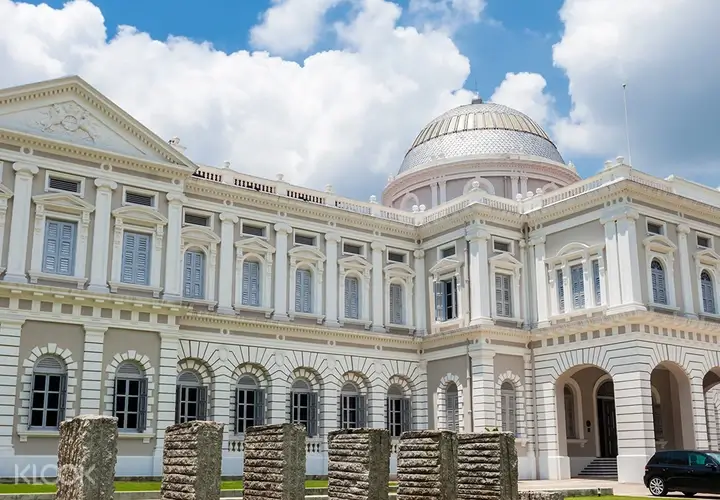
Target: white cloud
(525, 92)
(446, 15)
(666, 51)
(344, 116)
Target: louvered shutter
(312, 414)
(454, 296)
(63, 399)
(498, 295)
(52, 243)
(397, 312)
(361, 411)
(142, 406)
(658, 283)
(198, 275)
(560, 290)
(507, 297)
(128, 260)
(298, 290)
(578, 286)
(254, 284)
(439, 301)
(188, 274)
(142, 259)
(351, 298)
(178, 392)
(511, 414)
(341, 415)
(405, 415)
(596, 282)
(66, 250)
(237, 411)
(708, 296)
(259, 418)
(306, 292)
(246, 283)
(202, 403)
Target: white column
(227, 249)
(479, 277)
(541, 284)
(443, 191)
(277, 398)
(220, 398)
(329, 411)
(685, 278)
(101, 235)
(612, 263)
(635, 429)
(483, 389)
(92, 363)
(557, 466)
(377, 287)
(173, 257)
(331, 280)
(10, 331)
(420, 293)
(20, 223)
(529, 414)
(712, 422)
(628, 256)
(513, 186)
(699, 417)
(523, 186)
(434, 194)
(167, 381)
(281, 272)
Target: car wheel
(657, 487)
(689, 493)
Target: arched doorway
(672, 408)
(607, 425)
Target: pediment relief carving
(5, 192)
(505, 260)
(306, 253)
(659, 243)
(140, 215)
(62, 202)
(446, 264)
(354, 262)
(399, 269)
(199, 234)
(254, 245)
(707, 257)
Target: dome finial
(477, 99)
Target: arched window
(708, 292)
(304, 406)
(249, 404)
(352, 407)
(130, 402)
(452, 407)
(507, 406)
(352, 297)
(251, 283)
(397, 419)
(659, 290)
(49, 393)
(303, 291)
(190, 398)
(570, 423)
(194, 275)
(397, 304)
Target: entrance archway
(606, 428)
(672, 407)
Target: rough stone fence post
(87, 455)
(192, 461)
(275, 461)
(358, 464)
(427, 465)
(487, 467)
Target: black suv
(688, 472)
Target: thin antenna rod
(627, 126)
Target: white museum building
(489, 287)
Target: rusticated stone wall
(487, 466)
(274, 462)
(427, 465)
(87, 454)
(192, 461)
(358, 464)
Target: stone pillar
(173, 259)
(87, 455)
(434, 194)
(699, 417)
(541, 282)
(275, 459)
(443, 191)
(20, 223)
(530, 415)
(612, 275)
(280, 303)
(712, 420)
(102, 226)
(628, 255)
(483, 388)
(523, 185)
(331, 280)
(420, 293)
(556, 465)
(192, 460)
(91, 379)
(359, 464)
(10, 331)
(219, 407)
(479, 276)
(167, 382)
(487, 466)
(227, 249)
(427, 465)
(685, 278)
(514, 187)
(378, 323)
(634, 417)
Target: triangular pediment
(505, 258)
(354, 262)
(660, 243)
(198, 233)
(139, 215)
(445, 264)
(707, 256)
(306, 253)
(255, 245)
(5, 191)
(72, 111)
(399, 269)
(63, 202)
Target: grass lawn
(606, 498)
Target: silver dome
(479, 129)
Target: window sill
(79, 281)
(577, 313)
(117, 285)
(145, 436)
(447, 325)
(508, 319)
(398, 326)
(267, 311)
(365, 323)
(707, 315)
(25, 433)
(663, 307)
(317, 317)
(210, 304)
(581, 442)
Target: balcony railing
(236, 444)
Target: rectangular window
(194, 279)
(136, 259)
(396, 257)
(197, 220)
(352, 297)
(447, 252)
(249, 409)
(251, 230)
(446, 307)
(190, 403)
(578, 286)
(303, 291)
(397, 312)
(704, 241)
(303, 411)
(352, 411)
(59, 247)
(352, 248)
(61, 184)
(560, 286)
(251, 283)
(503, 295)
(134, 198)
(398, 416)
(501, 246)
(596, 281)
(130, 403)
(303, 239)
(47, 408)
(654, 227)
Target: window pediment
(659, 243)
(5, 192)
(306, 253)
(354, 262)
(140, 215)
(707, 257)
(254, 245)
(198, 234)
(61, 202)
(573, 251)
(399, 270)
(445, 265)
(505, 260)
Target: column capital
(377, 246)
(281, 228)
(105, 184)
(537, 240)
(419, 254)
(628, 214)
(683, 229)
(12, 323)
(229, 218)
(96, 329)
(177, 198)
(476, 233)
(334, 237)
(482, 354)
(22, 167)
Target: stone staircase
(601, 468)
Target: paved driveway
(619, 489)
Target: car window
(698, 459)
(679, 458)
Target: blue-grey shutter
(59, 248)
(596, 282)
(454, 294)
(658, 282)
(352, 298)
(128, 258)
(188, 274)
(560, 290)
(578, 286)
(405, 415)
(237, 410)
(63, 399)
(254, 284)
(259, 418)
(142, 406)
(312, 414)
(306, 292)
(194, 275)
(503, 299)
(136, 259)
(245, 300)
(397, 310)
(708, 293)
(178, 393)
(361, 411)
(202, 403)
(440, 301)
(298, 290)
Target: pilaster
(227, 250)
(541, 284)
(513, 186)
(92, 372)
(20, 223)
(281, 270)
(331, 280)
(220, 411)
(712, 420)
(685, 277)
(483, 389)
(634, 417)
(377, 286)
(102, 226)
(554, 465)
(443, 191)
(479, 276)
(629, 260)
(167, 382)
(173, 260)
(612, 266)
(524, 185)
(10, 332)
(699, 416)
(420, 293)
